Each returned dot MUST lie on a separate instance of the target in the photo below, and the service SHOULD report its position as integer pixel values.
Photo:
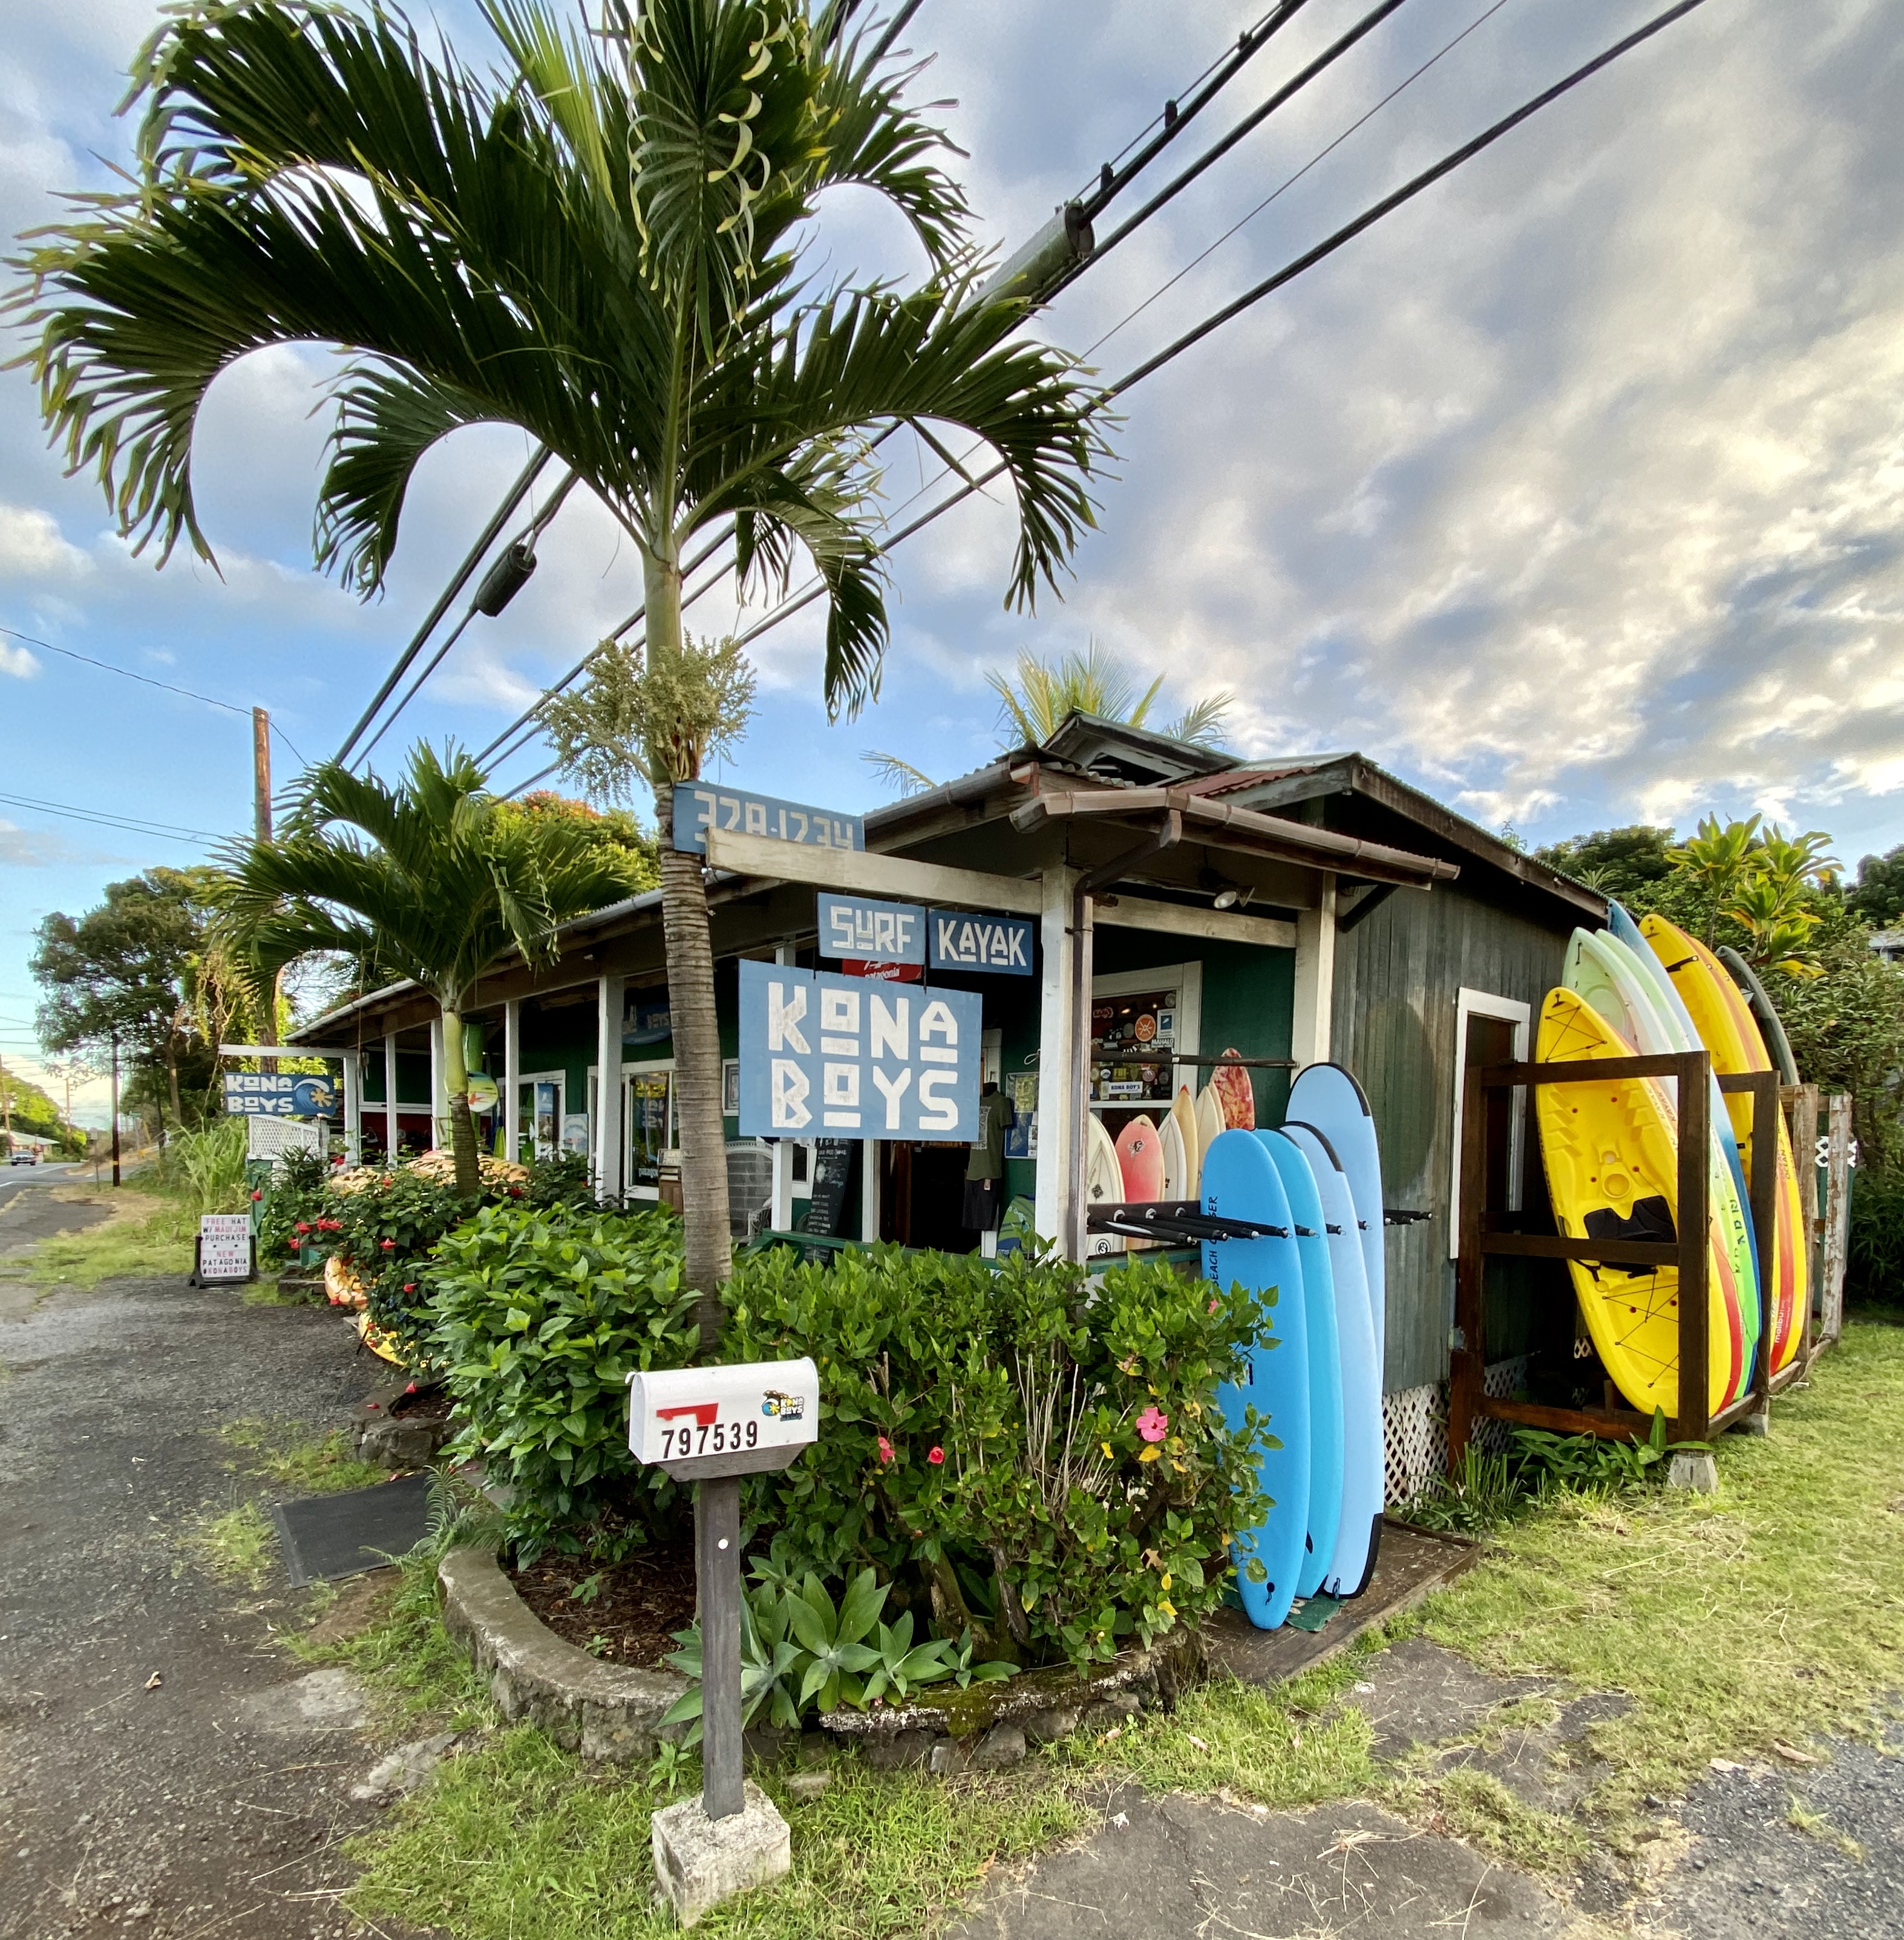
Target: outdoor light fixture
(1232, 898)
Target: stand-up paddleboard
(1234, 1095)
(1140, 1163)
(1177, 1181)
(1612, 978)
(1240, 1179)
(1611, 1152)
(1209, 1119)
(1103, 1182)
(1764, 1014)
(1183, 1116)
(1325, 1360)
(1725, 1022)
(1327, 1096)
(1672, 1007)
(1358, 1531)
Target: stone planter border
(601, 1710)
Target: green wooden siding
(1397, 977)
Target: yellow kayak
(1730, 1033)
(1611, 1156)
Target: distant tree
(433, 880)
(1039, 695)
(124, 973)
(1623, 863)
(1878, 894)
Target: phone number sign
(723, 1421)
(698, 807)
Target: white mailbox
(697, 1423)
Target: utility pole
(261, 829)
(115, 1108)
(6, 1106)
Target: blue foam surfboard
(1239, 1178)
(1327, 1096)
(1358, 1530)
(1626, 931)
(1324, 1360)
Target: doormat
(1314, 1613)
(325, 1537)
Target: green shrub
(385, 1231)
(540, 1316)
(1043, 1465)
(206, 1168)
(294, 1201)
(1874, 1267)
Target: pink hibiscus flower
(1153, 1424)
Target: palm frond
(899, 775)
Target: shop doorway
(922, 1196)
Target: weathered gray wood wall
(1398, 977)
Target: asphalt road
(164, 1770)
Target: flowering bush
(1046, 1466)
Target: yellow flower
(1164, 1581)
(1149, 1453)
(1165, 1608)
(1106, 1447)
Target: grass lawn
(147, 1236)
(1766, 1614)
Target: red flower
(388, 1245)
(304, 1226)
(410, 1286)
(935, 1456)
(886, 1454)
(515, 1192)
(259, 1194)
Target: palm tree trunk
(462, 1126)
(691, 1005)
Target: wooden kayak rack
(1483, 1235)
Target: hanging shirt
(987, 1159)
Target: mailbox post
(710, 1427)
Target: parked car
(25, 1155)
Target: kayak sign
(962, 941)
(698, 807)
(822, 1054)
(723, 1421)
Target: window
(538, 1104)
(1489, 1030)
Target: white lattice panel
(1414, 1440)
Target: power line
(1270, 284)
(170, 831)
(126, 673)
(485, 539)
(1289, 181)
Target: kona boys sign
(840, 1055)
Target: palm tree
(432, 880)
(1036, 699)
(600, 244)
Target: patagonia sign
(826, 1056)
(960, 940)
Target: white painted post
(353, 1108)
(612, 998)
(512, 1078)
(780, 1216)
(869, 1190)
(1837, 1215)
(439, 1092)
(391, 1136)
(1056, 1107)
(1312, 1028)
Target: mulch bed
(435, 1405)
(635, 1608)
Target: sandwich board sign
(845, 1055)
(225, 1248)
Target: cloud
(31, 547)
(43, 849)
(17, 661)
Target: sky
(1571, 491)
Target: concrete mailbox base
(699, 1862)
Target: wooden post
(1077, 1204)
(1802, 1100)
(1468, 1355)
(717, 1563)
(1838, 1215)
(1694, 1221)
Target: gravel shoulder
(164, 1769)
